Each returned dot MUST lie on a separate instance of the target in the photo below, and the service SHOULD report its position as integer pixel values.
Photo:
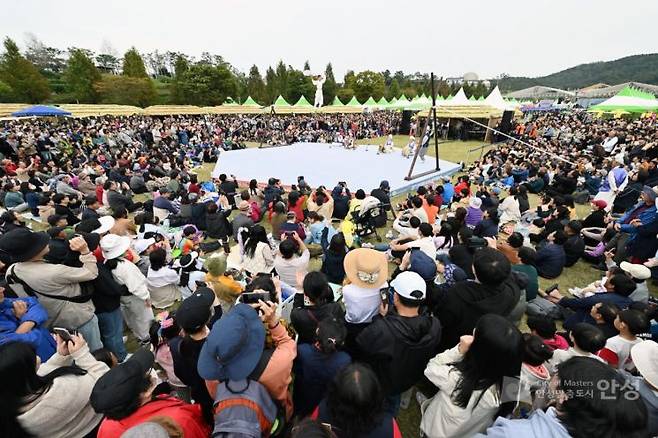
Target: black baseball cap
(195, 310)
(120, 386)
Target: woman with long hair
(49, 399)
(318, 362)
(258, 254)
(445, 238)
(333, 258)
(510, 210)
(470, 379)
(589, 399)
(315, 304)
(354, 406)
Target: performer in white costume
(318, 81)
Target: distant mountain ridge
(637, 68)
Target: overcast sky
(529, 37)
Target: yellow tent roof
(168, 110)
(470, 111)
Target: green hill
(638, 68)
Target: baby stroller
(365, 223)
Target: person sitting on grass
(292, 259)
(587, 340)
(574, 247)
(617, 350)
(618, 288)
(551, 258)
(576, 412)
(544, 327)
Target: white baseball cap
(107, 222)
(406, 283)
(639, 272)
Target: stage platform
(324, 164)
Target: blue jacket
(38, 337)
(646, 217)
(448, 193)
(540, 425)
(583, 306)
(315, 233)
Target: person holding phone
(248, 358)
(49, 399)
(398, 344)
(292, 258)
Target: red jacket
(99, 194)
(185, 415)
(298, 208)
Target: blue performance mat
(325, 164)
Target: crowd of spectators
(265, 311)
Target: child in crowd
(163, 329)
(534, 372)
(544, 327)
(190, 240)
(587, 340)
(617, 351)
(317, 364)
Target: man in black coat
(399, 344)
(383, 194)
(494, 290)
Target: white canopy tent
(495, 100)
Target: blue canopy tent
(41, 111)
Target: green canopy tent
(370, 103)
(481, 98)
(628, 100)
(303, 103)
(353, 102)
(472, 99)
(337, 102)
(250, 102)
(229, 101)
(280, 101)
(382, 103)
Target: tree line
(43, 74)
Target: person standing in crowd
(58, 287)
(317, 363)
(136, 305)
(225, 356)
